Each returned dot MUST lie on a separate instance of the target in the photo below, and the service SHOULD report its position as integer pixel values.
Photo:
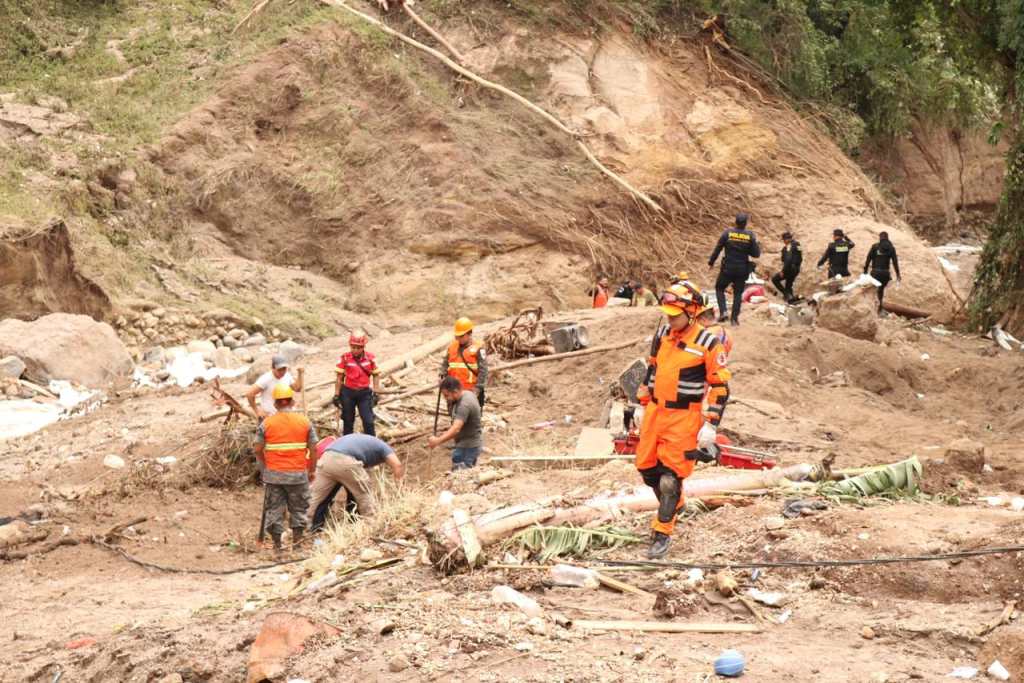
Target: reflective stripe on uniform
(285, 446)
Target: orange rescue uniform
(286, 435)
(464, 364)
(685, 363)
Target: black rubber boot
(659, 546)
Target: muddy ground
(886, 404)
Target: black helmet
(741, 220)
(787, 235)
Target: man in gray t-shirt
(465, 429)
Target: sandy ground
(886, 403)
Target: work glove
(375, 398)
(702, 455)
(706, 436)
(337, 401)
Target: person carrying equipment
(686, 361)
(356, 370)
(881, 254)
(838, 255)
(792, 259)
(466, 360)
(740, 245)
(284, 446)
(341, 467)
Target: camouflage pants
(294, 497)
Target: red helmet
(357, 338)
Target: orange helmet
(462, 326)
(680, 298)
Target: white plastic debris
(114, 462)
(766, 598)
(577, 577)
(506, 595)
(966, 672)
(21, 417)
(1017, 504)
(167, 460)
(997, 670)
(925, 356)
(325, 581)
(784, 617)
(445, 499)
(864, 280)
(949, 265)
(338, 561)
(249, 606)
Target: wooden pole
(437, 36)
(665, 627)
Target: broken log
(665, 627)
(621, 586)
(498, 524)
(467, 532)
(567, 354)
(558, 458)
(905, 311)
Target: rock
(817, 583)
(150, 333)
(282, 635)
(154, 354)
(382, 626)
(774, 523)
(225, 360)
(255, 340)
(398, 663)
(854, 314)
(202, 346)
(231, 343)
(243, 354)
(237, 333)
(66, 346)
(114, 462)
(12, 367)
(14, 533)
(867, 633)
(291, 351)
(370, 555)
(537, 626)
(966, 455)
(172, 678)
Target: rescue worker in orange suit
(466, 360)
(355, 372)
(838, 255)
(706, 317)
(600, 293)
(684, 362)
(881, 254)
(740, 245)
(285, 448)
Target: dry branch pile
(524, 337)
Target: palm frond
(546, 542)
(897, 480)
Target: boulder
(14, 533)
(66, 346)
(154, 354)
(966, 455)
(854, 314)
(243, 354)
(11, 367)
(202, 346)
(225, 360)
(255, 340)
(292, 351)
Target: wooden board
(666, 627)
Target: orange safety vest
(600, 297)
(286, 436)
(463, 363)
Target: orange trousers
(665, 436)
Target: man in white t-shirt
(264, 386)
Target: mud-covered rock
(11, 367)
(65, 346)
(854, 314)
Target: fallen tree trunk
(905, 311)
(499, 524)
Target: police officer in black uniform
(740, 246)
(838, 255)
(792, 259)
(881, 254)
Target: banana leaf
(546, 542)
(903, 477)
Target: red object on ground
(744, 461)
(752, 290)
(625, 444)
(79, 643)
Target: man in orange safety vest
(466, 360)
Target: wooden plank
(622, 586)
(666, 626)
(467, 532)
